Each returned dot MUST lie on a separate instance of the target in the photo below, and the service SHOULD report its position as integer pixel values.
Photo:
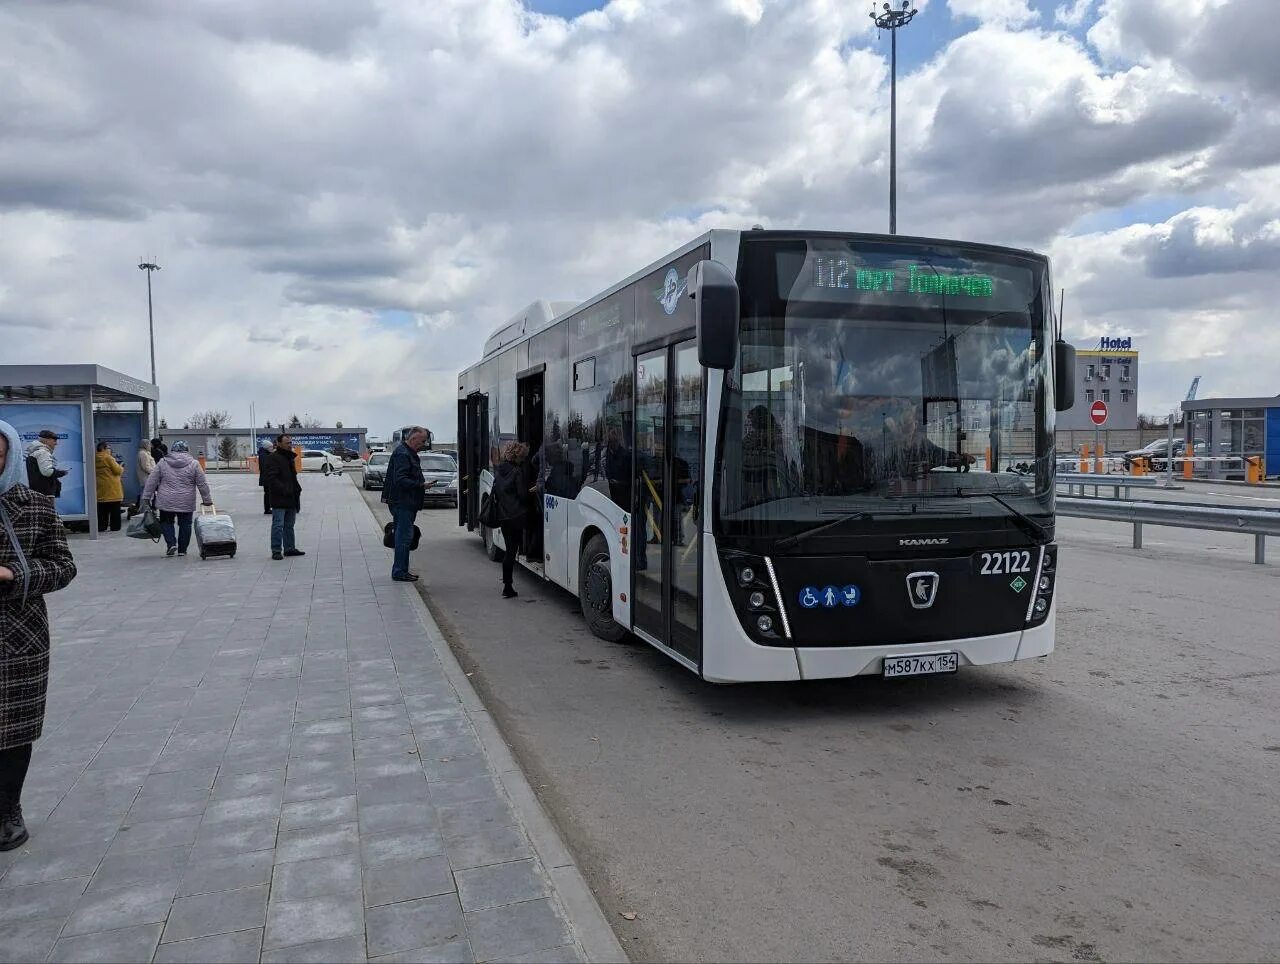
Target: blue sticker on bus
(831, 597)
(809, 597)
(850, 595)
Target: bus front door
(668, 483)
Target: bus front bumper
(837, 662)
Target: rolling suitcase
(215, 533)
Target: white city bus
(782, 455)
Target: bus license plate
(895, 666)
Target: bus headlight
(1038, 611)
(753, 586)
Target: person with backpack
(43, 474)
(173, 485)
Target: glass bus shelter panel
(686, 489)
(649, 545)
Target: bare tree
(213, 418)
(294, 422)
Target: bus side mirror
(1064, 375)
(715, 297)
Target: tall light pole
(148, 267)
(893, 19)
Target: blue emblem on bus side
(809, 597)
(831, 597)
(850, 595)
(673, 286)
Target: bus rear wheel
(595, 590)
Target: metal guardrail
(1074, 480)
(1258, 523)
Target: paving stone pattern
(252, 760)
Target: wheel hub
(599, 584)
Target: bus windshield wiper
(791, 541)
(1023, 521)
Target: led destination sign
(907, 276)
(913, 278)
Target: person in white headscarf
(34, 561)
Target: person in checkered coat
(34, 560)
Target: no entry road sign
(1098, 413)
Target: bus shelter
(82, 405)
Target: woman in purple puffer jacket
(173, 485)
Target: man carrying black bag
(404, 491)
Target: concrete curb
(590, 927)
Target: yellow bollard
(1098, 467)
(988, 458)
(1253, 469)
(1084, 457)
(1139, 465)
(297, 460)
(203, 464)
(1186, 466)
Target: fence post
(1137, 535)
(1260, 549)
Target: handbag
(145, 526)
(389, 536)
(489, 513)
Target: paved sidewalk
(251, 760)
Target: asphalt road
(1114, 801)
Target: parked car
(375, 471)
(313, 460)
(441, 472)
(1157, 451)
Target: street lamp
(892, 19)
(148, 267)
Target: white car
(313, 460)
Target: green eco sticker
(1018, 584)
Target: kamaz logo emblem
(938, 541)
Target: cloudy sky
(345, 196)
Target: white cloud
(1073, 14)
(1005, 13)
(305, 171)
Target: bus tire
(595, 590)
(490, 550)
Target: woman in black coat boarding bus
(511, 504)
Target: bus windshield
(878, 379)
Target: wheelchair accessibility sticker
(829, 597)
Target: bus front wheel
(595, 590)
(490, 550)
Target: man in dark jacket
(158, 449)
(403, 491)
(284, 495)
